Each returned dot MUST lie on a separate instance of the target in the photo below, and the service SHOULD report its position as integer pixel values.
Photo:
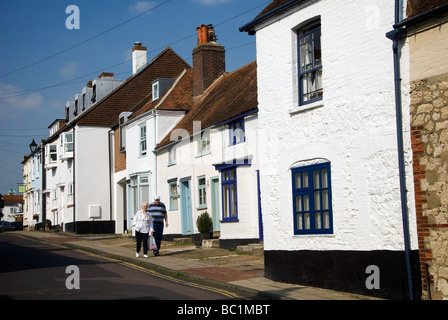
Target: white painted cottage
(208, 162)
(330, 186)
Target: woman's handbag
(152, 243)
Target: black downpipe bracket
(395, 35)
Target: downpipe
(395, 35)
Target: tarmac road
(35, 270)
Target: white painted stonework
(353, 127)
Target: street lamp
(33, 146)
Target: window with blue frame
(229, 195)
(236, 132)
(310, 63)
(311, 190)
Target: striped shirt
(157, 211)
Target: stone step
(181, 241)
(210, 243)
(256, 249)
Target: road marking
(154, 273)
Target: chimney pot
(106, 75)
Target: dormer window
(75, 111)
(93, 94)
(155, 91)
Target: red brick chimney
(209, 59)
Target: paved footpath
(189, 261)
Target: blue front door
(186, 210)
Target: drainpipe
(395, 35)
(111, 172)
(155, 156)
(74, 180)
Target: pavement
(215, 266)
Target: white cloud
(211, 2)
(140, 7)
(13, 100)
(69, 69)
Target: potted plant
(205, 225)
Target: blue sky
(43, 64)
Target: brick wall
(209, 64)
(429, 134)
(120, 158)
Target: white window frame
(142, 140)
(203, 143)
(53, 159)
(155, 91)
(202, 193)
(172, 156)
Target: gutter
(396, 35)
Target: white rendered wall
(190, 165)
(353, 127)
(92, 172)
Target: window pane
(324, 174)
(233, 200)
(317, 220)
(175, 202)
(326, 220)
(305, 179)
(144, 194)
(298, 183)
(317, 200)
(299, 222)
(299, 204)
(317, 47)
(307, 221)
(325, 200)
(306, 203)
(225, 195)
(232, 174)
(316, 180)
(144, 180)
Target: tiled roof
(416, 7)
(13, 199)
(231, 95)
(178, 97)
(274, 5)
(135, 92)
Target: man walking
(157, 210)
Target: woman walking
(143, 225)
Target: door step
(210, 243)
(256, 249)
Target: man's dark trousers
(158, 234)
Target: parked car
(16, 226)
(6, 226)
(1, 227)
